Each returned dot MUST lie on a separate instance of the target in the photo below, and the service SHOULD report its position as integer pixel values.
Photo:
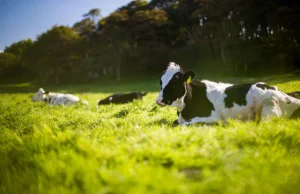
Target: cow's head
(39, 96)
(173, 86)
(105, 101)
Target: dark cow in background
(122, 98)
(210, 102)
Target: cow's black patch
(236, 94)
(288, 101)
(48, 100)
(196, 102)
(296, 114)
(174, 89)
(122, 98)
(265, 87)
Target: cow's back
(125, 98)
(230, 101)
(246, 101)
(63, 99)
(241, 101)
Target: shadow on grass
(113, 87)
(122, 113)
(161, 122)
(193, 173)
(145, 85)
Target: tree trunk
(223, 45)
(223, 55)
(118, 71)
(236, 67)
(245, 67)
(118, 64)
(45, 77)
(56, 79)
(211, 47)
(117, 54)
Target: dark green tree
(54, 56)
(8, 63)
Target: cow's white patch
(110, 98)
(273, 102)
(172, 69)
(219, 86)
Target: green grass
(134, 148)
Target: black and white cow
(122, 98)
(56, 98)
(210, 102)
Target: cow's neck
(47, 100)
(185, 113)
(48, 97)
(183, 101)
(188, 96)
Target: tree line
(236, 37)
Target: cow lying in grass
(56, 98)
(122, 98)
(210, 102)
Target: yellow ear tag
(189, 80)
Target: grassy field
(134, 148)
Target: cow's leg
(199, 120)
(213, 119)
(271, 108)
(175, 123)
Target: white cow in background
(56, 98)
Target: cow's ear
(189, 76)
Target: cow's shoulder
(196, 101)
(215, 85)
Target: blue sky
(23, 19)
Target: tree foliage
(15, 66)
(8, 62)
(232, 36)
(55, 54)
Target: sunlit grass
(134, 148)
